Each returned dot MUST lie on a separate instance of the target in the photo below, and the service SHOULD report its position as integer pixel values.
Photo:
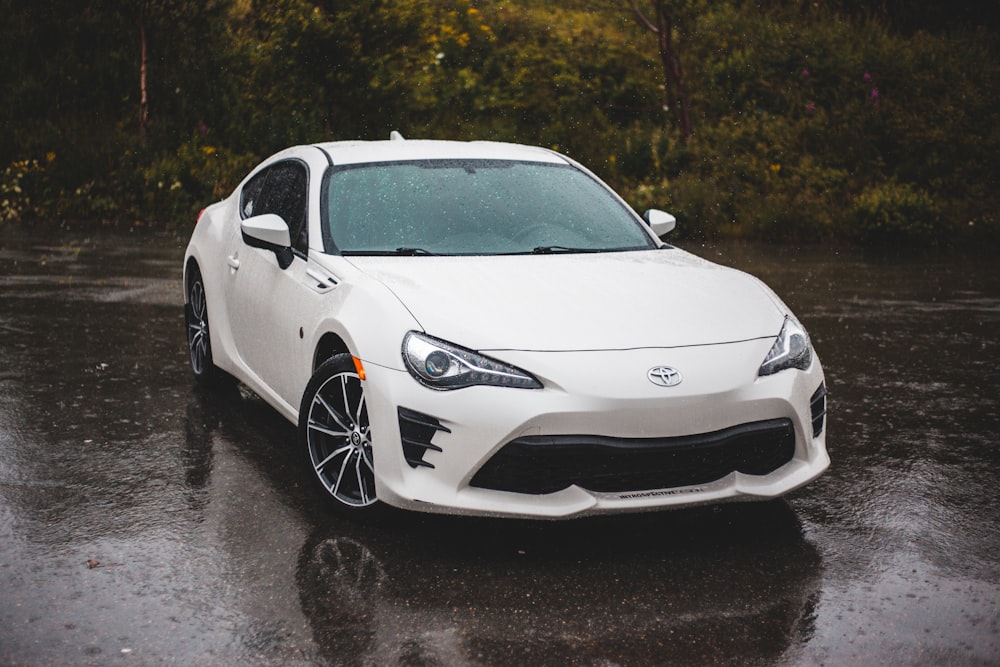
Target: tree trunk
(676, 90)
(143, 101)
(673, 76)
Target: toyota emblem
(664, 376)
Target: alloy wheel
(338, 438)
(196, 313)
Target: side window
(285, 193)
(251, 195)
(282, 189)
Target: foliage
(812, 121)
(810, 113)
(893, 213)
(198, 174)
(14, 198)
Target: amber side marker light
(359, 368)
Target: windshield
(473, 207)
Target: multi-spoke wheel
(334, 429)
(196, 322)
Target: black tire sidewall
(208, 371)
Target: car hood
(605, 301)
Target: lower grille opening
(546, 464)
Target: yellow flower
(775, 168)
(50, 157)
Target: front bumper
(450, 440)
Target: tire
(198, 335)
(335, 436)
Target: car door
(266, 292)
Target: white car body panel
(665, 298)
(589, 327)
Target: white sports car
(487, 328)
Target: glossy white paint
(268, 228)
(607, 301)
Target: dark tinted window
(281, 189)
(251, 193)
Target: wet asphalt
(145, 521)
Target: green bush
(15, 197)
(896, 213)
(176, 186)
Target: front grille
(546, 464)
(817, 406)
(415, 431)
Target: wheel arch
(329, 345)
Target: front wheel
(336, 436)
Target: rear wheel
(196, 323)
(335, 433)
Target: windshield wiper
(553, 249)
(404, 252)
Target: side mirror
(266, 231)
(661, 222)
(269, 232)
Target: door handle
(233, 262)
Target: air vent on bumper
(817, 406)
(416, 431)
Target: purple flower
(811, 107)
(867, 76)
(805, 72)
(874, 95)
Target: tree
(662, 25)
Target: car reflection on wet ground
(144, 520)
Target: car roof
(397, 148)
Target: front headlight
(440, 365)
(791, 350)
